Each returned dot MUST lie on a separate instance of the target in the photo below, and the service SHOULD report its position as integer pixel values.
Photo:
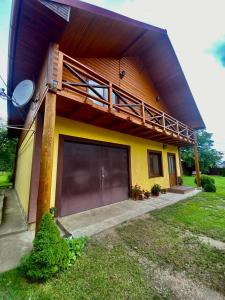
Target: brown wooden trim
(174, 154)
(35, 172)
(62, 139)
(161, 166)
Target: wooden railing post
(143, 112)
(163, 121)
(197, 170)
(60, 70)
(46, 165)
(110, 92)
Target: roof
(96, 32)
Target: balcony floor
(71, 107)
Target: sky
(197, 32)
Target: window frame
(159, 153)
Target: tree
(7, 151)
(208, 156)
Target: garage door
(93, 176)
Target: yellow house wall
(138, 151)
(23, 169)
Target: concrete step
(180, 189)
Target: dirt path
(169, 284)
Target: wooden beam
(46, 165)
(197, 170)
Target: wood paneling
(136, 81)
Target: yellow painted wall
(23, 169)
(138, 147)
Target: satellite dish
(23, 93)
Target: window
(155, 163)
(101, 91)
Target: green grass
(203, 213)
(122, 264)
(102, 273)
(169, 247)
(5, 179)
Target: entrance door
(172, 169)
(92, 176)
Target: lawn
(151, 257)
(204, 213)
(5, 179)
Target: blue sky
(197, 31)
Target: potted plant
(179, 180)
(147, 194)
(136, 192)
(155, 190)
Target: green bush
(210, 187)
(50, 253)
(205, 179)
(222, 172)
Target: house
(111, 106)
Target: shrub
(210, 187)
(50, 253)
(222, 172)
(205, 179)
(155, 190)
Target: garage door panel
(93, 176)
(81, 177)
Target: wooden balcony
(86, 96)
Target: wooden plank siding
(136, 81)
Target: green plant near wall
(156, 189)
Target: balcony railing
(79, 79)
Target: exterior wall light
(122, 74)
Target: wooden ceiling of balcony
(96, 115)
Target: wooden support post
(197, 170)
(46, 165)
(180, 163)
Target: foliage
(146, 193)
(50, 253)
(76, 247)
(210, 187)
(205, 179)
(179, 180)
(208, 156)
(136, 191)
(155, 190)
(222, 172)
(7, 151)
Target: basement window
(155, 168)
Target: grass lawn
(4, 179)
(151, 257)
(203, 213)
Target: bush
(205, 179)
(222, 172)
(50, 253)
(210, 187)
(155, 190)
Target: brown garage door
(93, 176)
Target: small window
(155, 164)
